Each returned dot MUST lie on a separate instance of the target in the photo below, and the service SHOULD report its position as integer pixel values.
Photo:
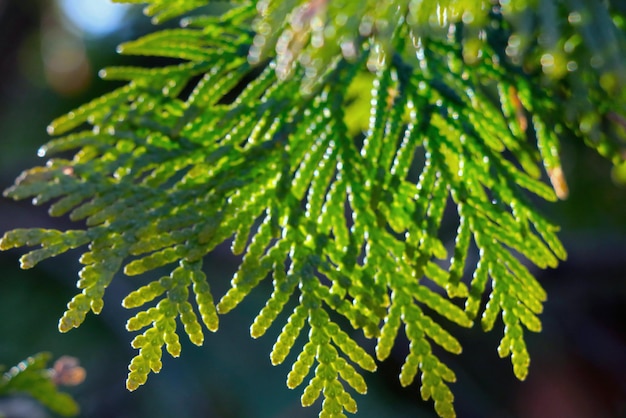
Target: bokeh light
(94, 17)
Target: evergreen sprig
(31, 377)
(250, 134)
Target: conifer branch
(247, 137)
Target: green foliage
(31, 377)
(329, 140)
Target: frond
(246, 137)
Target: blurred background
(50, 53)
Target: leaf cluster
(31, 377)
(328, 142)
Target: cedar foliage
(327, 140)
(31, 377)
